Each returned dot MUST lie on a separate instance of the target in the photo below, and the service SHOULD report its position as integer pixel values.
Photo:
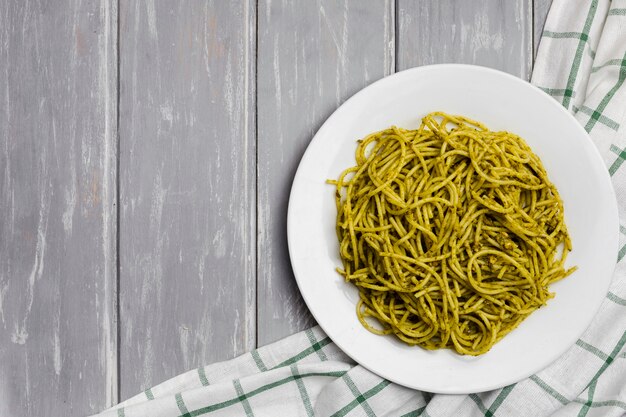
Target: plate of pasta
(452, 228)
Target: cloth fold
(581, 62)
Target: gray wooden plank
(187, 190)
(492, 33)
(540, 13)
(57, 194)
(312, 55)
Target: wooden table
(147, 150)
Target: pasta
(452, 233)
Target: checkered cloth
(582, 64)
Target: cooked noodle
(451, 232)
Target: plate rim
(614, 239)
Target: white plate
(502, 102)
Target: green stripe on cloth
(557, 92)
(586, 406)
(565, 35)
(570, 35)
(622, 251)
(259, 362)
(181, 405)
(621, 157)
(306, 400)
(504, 392)
(611, 358)
(592, 349)
(616, 299)
(149, 394)
(243, 398)
(478, 402)
(362, 398)
(547, 388)
(311, 336)
(610, 123)
(228, 403)
(357, 394)
(415, 413)
(594, 381)
(607, 403)
(610, 62)
(120, 412)
(202, 376)
(306, 352)
(607, 98)
(617, 12)
(584, 36)
(499, 400)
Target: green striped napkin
(582, 64)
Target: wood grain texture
(491, 33)
(187, 191)
(57, 195)
(312, 55)
(540, 13)
(192, 234)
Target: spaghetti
(451, 233)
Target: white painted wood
(57, 217)
(491, 33)
(312, 56)
(187, 172)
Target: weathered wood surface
(540, 13)
(203, 271)
(57, 216)
(492, 33)
(187, 187)
(312, 56)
